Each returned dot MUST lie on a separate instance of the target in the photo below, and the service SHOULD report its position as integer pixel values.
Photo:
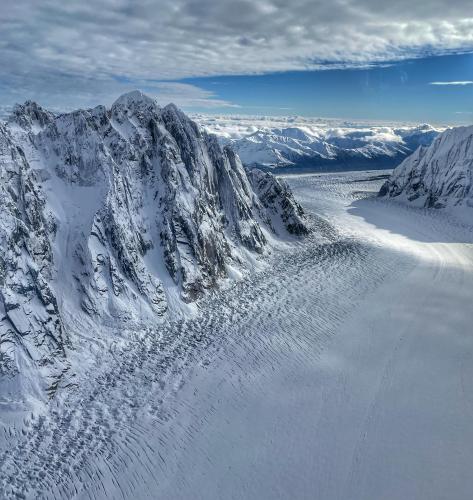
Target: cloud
(5, 110)
(461, 83)
(183, 94)
(78, 92)
(73, 51)
(234, 126)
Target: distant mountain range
(302, 145)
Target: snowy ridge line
(440, 175)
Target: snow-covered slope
(110, 217)
(312, 145)
(438, 175)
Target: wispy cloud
(459, 83)
(183, 94)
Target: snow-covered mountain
(110, 217)
(438, 175)
(309, 145)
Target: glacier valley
(339, 368)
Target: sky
(364, 59)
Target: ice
(339, 371)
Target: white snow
(340, 372)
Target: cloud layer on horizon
(234, 126)
(89, 52)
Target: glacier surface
(339, 371)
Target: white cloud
(460, 83)
(238, 126)
(184, 95)
(5, 111)
(78, 49)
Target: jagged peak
(172, 107)
(425, 126)
(138, 100)
(30, 116)
(449, 138)
(28, 107)
(437, 175)
(134, 98)
(173, 113)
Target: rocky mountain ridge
(115, 216)
(439, 175)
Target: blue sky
(399, 91)
(358, 59)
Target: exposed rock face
(438, 175)
(116, 214)
(31, 329)
(30, 117)
(278, 203)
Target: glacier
(339, 371)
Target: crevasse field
(342, 370)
